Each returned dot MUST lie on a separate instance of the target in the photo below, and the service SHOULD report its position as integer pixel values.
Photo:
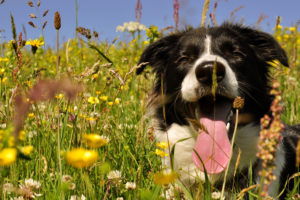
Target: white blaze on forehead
(190, 86)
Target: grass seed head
(57, 20)
(46, 12)
(238, 103)
(44, 25)
(32, 24)
(32, 15)
(30, 3)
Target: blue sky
(105, 15)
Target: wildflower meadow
(74, 123)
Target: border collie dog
(232, 60)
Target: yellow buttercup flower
(279, 27)
(30, 115)
(162, 145)
(11, 141)
(161, 153)
(26, 150)
(8, 156)
(59, 96)
(2, 70)
(91, 119)
(117, 101)
(103, 98)
(286, 36)
(110, 103)
(1, 134)
(3, 59)
(95, 76)
(4, 80)
(36, 43)
(81, 158)
(98, 92)
(93, 100)
(22, 135)
(165, 177)
(95, 140)
(292, 29)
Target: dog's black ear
(157, 54)
(265, 46)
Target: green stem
(231, 151)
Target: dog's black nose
(204, 72)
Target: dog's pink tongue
(213, 147)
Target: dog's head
(201, 71)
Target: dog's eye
(238, 53)
(182, 59)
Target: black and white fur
(182, 63)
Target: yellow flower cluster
(59, 96)
(93, 100)
(103, 98)
(165, 177)
(26, 150)
(30, 115)
(3, 59)
(163, 145)
(81, 158)
(117, 101)
(2, 70)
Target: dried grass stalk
(204, 12)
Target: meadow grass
(110, 101)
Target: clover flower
(131, 27)
(27, 190)
(8, 188)
(130, 185)
(115, 174)
(67, 179)
(32, 184)
(75, 197)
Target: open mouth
(212, 146)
